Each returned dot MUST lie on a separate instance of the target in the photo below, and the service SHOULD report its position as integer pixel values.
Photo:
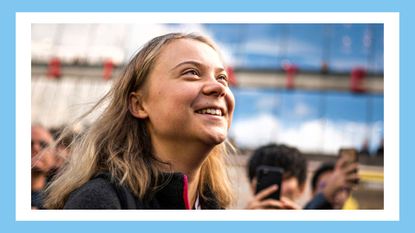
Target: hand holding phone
(268, 176)
(349, 157)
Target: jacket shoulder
(97, 193)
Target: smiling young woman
(161, 141)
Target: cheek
(159, 98)
(286, 189)
(44, 160)
(230, 101)
(168, 103)
(290, 189)
(178, 99)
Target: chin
(215, 139)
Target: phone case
(267, 176)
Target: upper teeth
(211, 111)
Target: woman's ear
(136, 106)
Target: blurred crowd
(49, 153)
(331, 183)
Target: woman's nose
(213, 87)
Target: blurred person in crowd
(379, 151)
(161, 140)
(332, 184)
(43, 160)
(364, 151)
(63, 139)
(294, 165)
(293, 162)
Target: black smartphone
(267, 176)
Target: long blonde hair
(119, 143)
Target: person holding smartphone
(332, 183)
(294, 175)
(162, 137)
(290, 184)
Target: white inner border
(391, 117)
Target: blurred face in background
(42, 155)
(291, 188)
(340, 196)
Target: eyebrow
(197, 64)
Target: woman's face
(43, 158)
(187, 97)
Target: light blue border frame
(7, 100)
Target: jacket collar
(173, 193)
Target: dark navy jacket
(102, 192)
(319, 202)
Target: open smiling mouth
(210, 111)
